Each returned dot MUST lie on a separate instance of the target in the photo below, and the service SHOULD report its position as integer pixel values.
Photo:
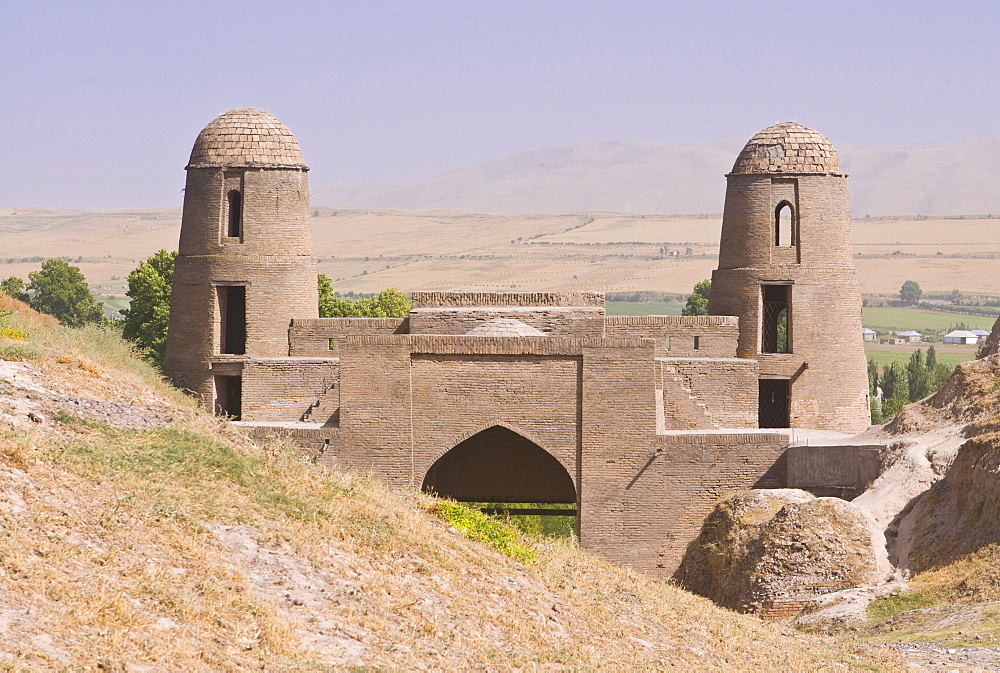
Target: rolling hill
(644, 178)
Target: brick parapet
(433, 299)
(677, 336)
(472, 345)
(581, 322)
(321, 336)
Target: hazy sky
(102, 100)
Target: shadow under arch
(500, 465)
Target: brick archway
(500, 465)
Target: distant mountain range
(643, 177)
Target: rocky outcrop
(772, 551)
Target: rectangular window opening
(229, 396)
(697, 343)
(775, 324)
(233, 319)
(773, 403)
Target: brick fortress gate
(641, 422)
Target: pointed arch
(498, 464)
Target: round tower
(785, 270)
(245, 264)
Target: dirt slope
(137, 532)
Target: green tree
(14, 287)
(697, 301)
(917, 376)
(61, 290)
(910, 293)
(875, 410)
(872, 377)
(895, 390)
(389, 303)
(149, 286)
(931, 361)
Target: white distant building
(911, 336)
(981, 333)
(868, 334)
(961, 336)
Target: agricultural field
(369, 250)
(947, 354)
(891, 318)
(643, 308)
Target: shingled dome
(788, 148)
(246, 138)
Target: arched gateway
(499, 465)
(640, 421)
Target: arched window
(784, 225)
(235, 229)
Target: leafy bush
(478, 526)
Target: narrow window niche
(234, 210)
(233, 319)
(775, 336)
(784, 225)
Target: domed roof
(504, 327)
(248, 137)
(788, 148)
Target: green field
(643, 308)
(890, 318)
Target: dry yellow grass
(185, 546)
(369, 250)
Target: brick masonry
(537, 397)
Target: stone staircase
(326, 409)
(681, 409)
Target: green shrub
(478, 526)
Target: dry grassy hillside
(136, 530)
(366, 251)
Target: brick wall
(841, 470)
(649, 506)
(708, 393)
(282, 389)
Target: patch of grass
(12, 333)
(19, 351)
(890, 606)
(535, 525)
(173, 466)
(478, 526)
(67, 418)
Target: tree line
(61, 290)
